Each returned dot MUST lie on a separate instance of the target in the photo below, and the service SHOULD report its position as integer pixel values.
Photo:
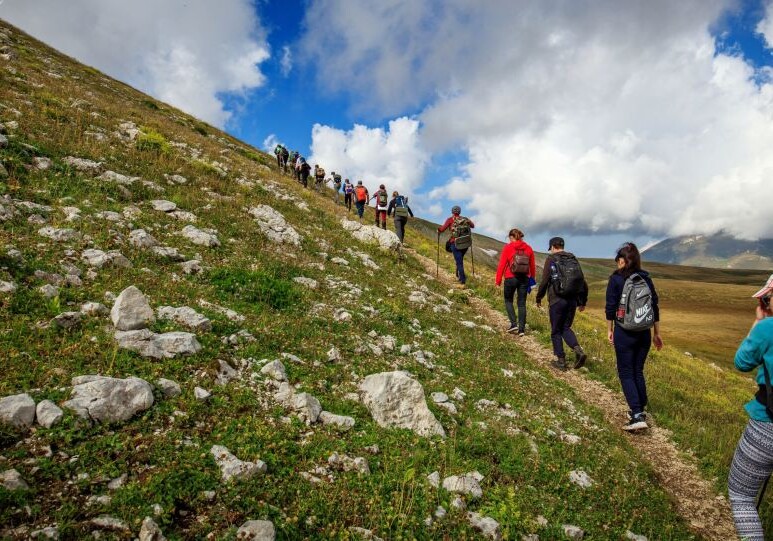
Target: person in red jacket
(517, 266)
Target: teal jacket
(756, 349)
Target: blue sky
(599, 121)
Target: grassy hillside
(720, 250)
(521, 429)
(694, 389)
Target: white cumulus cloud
(184, 52)
(593, 117)
(393, 157)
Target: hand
(539, 304)
(658, 341)
(611, 336)
(581, 308)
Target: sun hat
(765, 290)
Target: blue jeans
(519, 285)
(631, 349)
(459, 258)
(360, 208)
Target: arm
(445, 225)
(582, 296)
(545, 281)
(610, 307)
(390, 207)
(532, 264)
(751, 352)
(503, 259)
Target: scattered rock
(275, 370)
(343, 422)
(94, 309)
(202, 237)
(158, 346)
(306, 282)
(98, 259)
(573, 532)
(48, 291)
(371, 234)
(110, 523)
(163, 205)
(41, 163)
(185, 316)
(58, 235)
(142, 239)
(7, 287)
(580, 478)
(396, 400)
(12, 480)
(67, 320)
(256, 530)
(131, 310)
(434, 479)
(109, 400)
(201, 394)
(333, 355)
(48, 414)
(274, 225)
(149, 531)
(191, 267)
(83, 165)
(49, 532)
(233, 468)
(485, 525)
(168, 388)
(168, 252)
(17, 410)
(347, 463)
(226, 373)
(468, 484)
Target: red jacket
(506, 259)
(450, 222)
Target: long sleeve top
(756, 349)
(393, 204)
(448, 224)
(506, 259)
(615, 291)
(545, 285)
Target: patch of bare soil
(707, 512)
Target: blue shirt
(757, 348)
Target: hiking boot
(512, 328)
(580, 357)
(560, 364)
(636, 422)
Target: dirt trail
(707, 512)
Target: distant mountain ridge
(718, 251)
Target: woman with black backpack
(753, 459)
(632, 310)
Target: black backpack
(568, 278)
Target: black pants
(519, 284)
(305, 179)
(631, 349)
(562, 313)
(400, 222)
(348, 200)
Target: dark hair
(556, 242)
(515, 232)
(630, 254)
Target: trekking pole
(472, 255)
(437, 258)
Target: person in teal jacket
(753, 460)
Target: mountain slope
(721, 251)
(107, 188)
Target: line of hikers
(358, 194)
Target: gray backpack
(635, 312)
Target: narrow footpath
(707, 512)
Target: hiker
(336, 186)
(460, 240)
(518, 267)
(753, 460)
(278, 153)
(298, 162)
(348, 191)
(319, 177)
(285, 157)
(305, 169)
(398, 207)
(567, 290)
(360, 198)
(632, 310)
(382, 198)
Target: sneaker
(512, 328)
(636, 422)
(521, 333)
(581, 357)
(560, 364)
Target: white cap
(765, 290)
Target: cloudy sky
(600, 120)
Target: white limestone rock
(12, 480)
(485, 525)
(575, 533)
(158, 346)
(371, 234)
(168, 252)
(580, 478)
(468, 484)
(67, 320)
(17, 410)
(149, 531)
(94, 309)
(186, 316)
(83, 165)
(256, 530)
(306, 282)
(201, 395)
(48, 414)
(201, 237)
(274, 225)
(168, 387)
(58, 235)
(99, 259)
(191, 267)
(163, 205)
(233, 468)
(109, 400)
(142, 239)
(275, 370)
(342, 422)
(131, 310)
(48, 291)
(6, 288)
(396, 400)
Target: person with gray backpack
(633, 325)
(567, 291)
(460, 240)
(398, 207)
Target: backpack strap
(765, 392)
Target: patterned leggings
(752, 464)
